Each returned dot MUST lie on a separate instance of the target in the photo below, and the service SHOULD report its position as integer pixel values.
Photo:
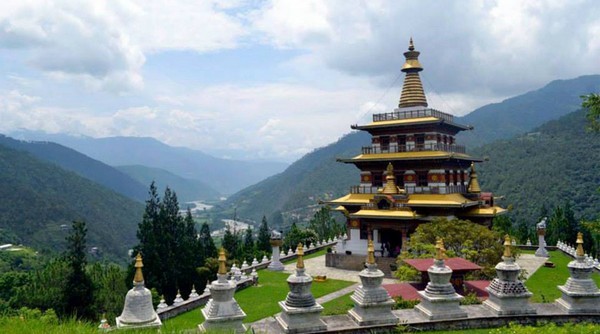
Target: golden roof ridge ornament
(390, 186)
(370, 252)
(473, 182)
(579, 242)
(300, 254)
(139, 276)
(412, 94)
(507, 246)
(222, 261)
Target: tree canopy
(591, 103)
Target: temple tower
(412, 172)
(138, 311)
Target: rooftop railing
(416, 148)
(449, 189)
(397, 115)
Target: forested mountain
(315, 176)
(38, 197)
(187, 189)
(81, 164)
(556, 163)
(522, 113)
(224, 175)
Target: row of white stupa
(573, 250)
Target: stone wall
(357, 262)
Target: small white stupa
(138, 311)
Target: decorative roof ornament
(390, 186)
(473, 183)
(412, 89)
(139, 276)
(300, 254)
(370, 252)
(222, 260)
(507, 246)
(440, 251)
(579, 244)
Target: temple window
(385, 143)
(377, 179)
(364, 231)
(422, 178)
(419, 141)
(401, 143)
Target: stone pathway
(316, 266)
(530, 263)
(337, 294)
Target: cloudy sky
(272, 79)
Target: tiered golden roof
(412, 89)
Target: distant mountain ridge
(317, 175)
(223, 175)
(81, 164)
(187, 189)
(39, 197)
(524, 112)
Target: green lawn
(259, 301)
(340, 305)
(543, 283)
(309, 256)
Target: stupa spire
(222, 261)
(390, 185)
(473, 183)
(370, 252)
(139, 276)
(412, 89)
(300, 254)
(579, 242)
(507, 245)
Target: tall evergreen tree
(189, 256)
(264, 236)
(231, 243)
(248, 247)
(324, 225)
(206, 243)
(78, 289)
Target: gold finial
(507, 245)
(370, 252)
(440, 251)
(473, 183)
(390, 187)
(300, 253)
(139, 277)
(412, 90)
(222, 260)
(579, 244)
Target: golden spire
(440, 251)
(579, 244)
(473, 183)
(222, 260)
(390, 185)
(507, 245)
(412, 89)
(370, 252)
(300, 253)
(139, 277)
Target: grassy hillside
(186, 189)
(83, 165)
(522, 113)
(553, 164)
(38, 197)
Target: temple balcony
(405, 114)
(414, 148)
(448, 189)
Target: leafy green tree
(524, 231)
(79, 291)
(45, 288)
(591, 103)
(297, 235)
(110, 288)
(264, 236)
(324, 225)
(503, 225)
(462, 238)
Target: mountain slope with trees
(83, 165)
(187, 189)
(224, 175)
(522, 113)
(555, 164)
(39, 197)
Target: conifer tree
(264, 236)
(206, 244)
(231, 243)
(78, 289)
(248, 248)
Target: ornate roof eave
(387, 158)
(386, 214)
(490, 212)
(392, 124)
